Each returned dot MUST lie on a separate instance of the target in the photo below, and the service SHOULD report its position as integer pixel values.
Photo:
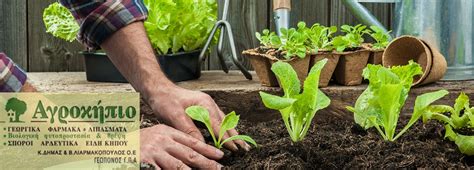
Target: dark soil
(279, 54)
(339, 143)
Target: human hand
(168, 148)
(171, 104)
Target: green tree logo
(15, 108)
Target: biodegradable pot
(300, 65)
(375, 56)
(262, 66)
(328, 70)
(351, 64)
(177, 67)
(405, 48)
(439, 66)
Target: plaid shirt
(99, 19)
(12, 77)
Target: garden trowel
(281, 13)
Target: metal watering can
(447, 24)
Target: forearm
(131, 52)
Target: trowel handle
(281, 4)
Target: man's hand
(171, 103)
(167, 148)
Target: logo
(15, 108)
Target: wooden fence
(23, 36)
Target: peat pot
(177, 67)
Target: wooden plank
(13, 31)
(246, 17)
(47, 53)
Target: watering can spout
(362, 14)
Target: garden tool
(447, 25)
(225, 29)
(281, 13)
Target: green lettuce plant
(293, 43)
(353, 38)
(297, 108)
(380, 104)
(230, 121)
(269, 39)
(381, 37)
(460, 117)
(60, 23)
(179, 25)
(319, 37)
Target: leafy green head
(230, 121)
(60, 23)
(380, 104)
(171, 30)
(355, 34)
(269, 39)
(294, 43)
(297, 108)
(381, 37)
(319, 37)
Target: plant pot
(177, 67)
(262, 66)
(351, 64)
(375, 56)
(405, 48)
(181, 66)
(439, 66)
(99, 68)
(300, 65)
(328, 70)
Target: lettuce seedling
(340, 43)
(353, 38)
(460, 117)
(319, 37)
(294, 41)
(60, 23)
(381, 37)
(230, 121)
(380, 104)
(297, 108)
(268, 39)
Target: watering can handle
(281, 4)
(364, 15)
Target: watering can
(446, 24)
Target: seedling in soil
(230, 121)
(382, 38)
(319, 37)
(380, 104)
(268, 39)
(294, 42)
(297, 108)
(461, 117)
(353, 38)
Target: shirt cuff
(12, 77)
(108, 18)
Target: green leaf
(288, 78)
(240, 137)
(171, 30)
(230, 122)
(60, 22)
(464, 143)
(421, 106)
(201, 114)
(276, 102)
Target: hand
(171, 104)
(167, 148)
